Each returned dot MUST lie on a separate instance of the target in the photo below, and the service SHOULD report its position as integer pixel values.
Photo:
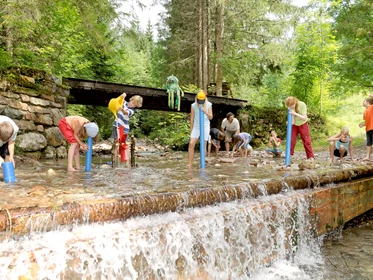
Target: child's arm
(191, 118)
(277, 142)
(362, 124)
(334, 137)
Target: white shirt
(233, 126)
(15, 127)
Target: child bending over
(241, 143)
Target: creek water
(269, 237)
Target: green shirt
(302, 107)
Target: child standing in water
(121, 123)
(74, 129)
(200, 100)
(298, 110)
(274, 145)
(241, 143)
(8, 134)
(339, 144)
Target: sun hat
(92, 129)
(201, 97)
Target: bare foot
(71, 170)
(365, 159)
(331, 162)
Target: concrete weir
(336, 197)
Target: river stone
(49, 153)
(61, 152)
(13, 113)
(31, 142)
(54, 137)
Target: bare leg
(369, 149)
(192, 144)
(227, 146)
(217, 148)
(331, 151)
(209, 149)
(342, 152)
(77, 159)
(70, 156)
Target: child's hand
(84, 147)
(361, 124)
(124, 95)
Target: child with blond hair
(274, 145)
(339, 144)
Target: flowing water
(270, 237)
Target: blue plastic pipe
(88, 155)
(288, 139)
(202, 161)
(8, 172)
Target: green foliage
(170, 129)
(353, 27)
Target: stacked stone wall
(36, 101)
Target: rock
(51, 172)
(31, 142)
(54, 137)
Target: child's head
(345, 130)
(220, 136)
(91, 129)
(236, 139)
(6, 131)
(292, 103)
(368, 101)
(136, 100)
(273, 133)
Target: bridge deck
(99, 93)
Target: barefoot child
(368, 117)
(274, 145)
(241, 142)
(74, 129)
(214, 139)
(339, 144)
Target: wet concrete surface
(45, 195)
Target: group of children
(75, 128)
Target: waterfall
(263, 238)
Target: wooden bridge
(99, 93)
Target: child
(274, 145)
(215, 137)
(299, 125)
(339, 144)
(241, 142)
(200, 100)
(74, 129)
(8, 134)
(121, 124)
(368, 117)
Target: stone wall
(36, 101)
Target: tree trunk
(200, 44)
(205, 22)
(219, 31)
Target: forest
(265, 50)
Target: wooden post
(133, 151)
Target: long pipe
(288, 139)
(88, 155)
(202, 162)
